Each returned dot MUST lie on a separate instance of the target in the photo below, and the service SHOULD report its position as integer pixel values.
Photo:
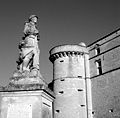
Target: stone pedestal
(27, 95)
(26, 104)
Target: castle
(85, 82)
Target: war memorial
(85, 81)
(27, 95)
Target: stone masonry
(86, 80)
(71, 81)
(105, 75)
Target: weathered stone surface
(70, 81)
(27, 80)
(27, 95)
(26, 104)
(106, 86)
(28, 71)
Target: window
(80, 89)
(97, 49)
(61, 60)
(61, 92)
(62, 79)
(57, 111)
(82, 105)
(99, 67)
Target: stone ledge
(31, 87)
(12, 86)
(27, 80)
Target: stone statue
(30, 26)
(28, 61)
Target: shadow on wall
(46, 113)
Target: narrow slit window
(80, 89)
(61, 60)
(93, 112)
(82, 105)
(62, 79)
(57, 111)
(61, 92)
(80, 76)
(111, 110)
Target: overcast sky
(60, 22)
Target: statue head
(33, 18)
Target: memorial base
(26, 104)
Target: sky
(60, 22)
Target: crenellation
(55, 56)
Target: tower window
(61, 92)
(80, 89)
(80, 76)
(82, 105)
(62, 61)
(111, 110)
(93, 112)
(97, 49)
(57, 111)
(99, 67)
(62, 79)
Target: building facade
(104, 58)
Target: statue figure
(30, 26)
(28, 61)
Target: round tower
(70, 79)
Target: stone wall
(70, 85)
(106, 95)
(26, 104)
(106, 86)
